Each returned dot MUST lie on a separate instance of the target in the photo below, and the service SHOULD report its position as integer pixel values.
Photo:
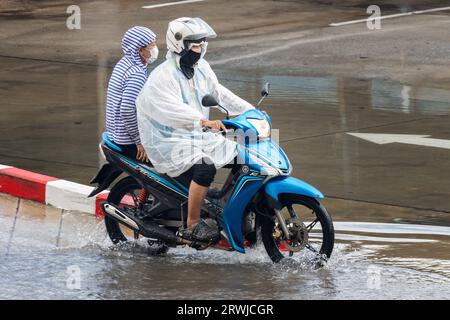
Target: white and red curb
(52, 191)
(56, 192)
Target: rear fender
(104, 177)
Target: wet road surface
(370, 261)
(326, 82)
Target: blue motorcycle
(259, 199)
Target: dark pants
(129, 150)
(202, 173)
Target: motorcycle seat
(111, 144)
(107, 141)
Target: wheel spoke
(292, 212)
(311, 225)
(311, 248)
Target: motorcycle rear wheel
(118, 232)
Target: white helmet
(185, 29)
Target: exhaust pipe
(148, 229)
(114, 212)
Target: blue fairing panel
(286, 184)
(267, 149)
(158, 178)
(243, 193)
(241, 122)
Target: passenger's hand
(141, 155)
(213, 124)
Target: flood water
(394, 244)
(370, 261)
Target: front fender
(285, 184)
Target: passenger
(127, 79)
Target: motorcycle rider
(127, 79)
(171, 118)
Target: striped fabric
(127, 79)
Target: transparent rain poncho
(169, 111)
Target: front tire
(270, 228)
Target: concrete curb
(56, 192)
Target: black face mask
(187, 62)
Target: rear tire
(118, 192)
(268, 227)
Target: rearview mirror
(209, 101)
(265, 90)
(264, 93)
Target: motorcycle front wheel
(308, 223)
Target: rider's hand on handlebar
(213, 124)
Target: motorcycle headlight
(262, 126)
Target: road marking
(390, 228)
(432, 10)
(337, 24)
(170, 4)
(420, 140)
(292, 42)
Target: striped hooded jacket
(127, 79)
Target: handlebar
(205, 129)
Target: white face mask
(153, 55)
(204, 47)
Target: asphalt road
(326, 82)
